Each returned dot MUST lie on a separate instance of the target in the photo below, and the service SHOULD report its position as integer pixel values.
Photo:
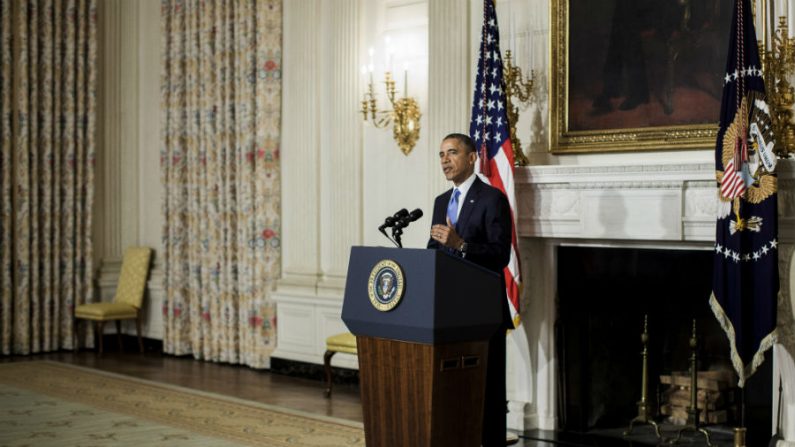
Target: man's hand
(446, 235)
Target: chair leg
(76, 335)
(327, 366)
(138, 331)
(118, 335)
(100, 326)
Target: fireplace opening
(603, 296)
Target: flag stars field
(750, 71)
(735, 256)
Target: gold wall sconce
(777, 51)
(404, 116)
(517, 90)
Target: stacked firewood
(714, 397)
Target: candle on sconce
(513, 36)
(789, 19)
(405, 79)
(390, 54)
(370, 66)
(771, 12)
(760, 18)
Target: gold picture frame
(683, 75)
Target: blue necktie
(452, 207)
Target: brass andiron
(739, 437)
(404, 115)
(644, 412)
(693, 423)
(778, 63)
(516, 87)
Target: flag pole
(742, 407)
(741, 431)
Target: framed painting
(629, 75)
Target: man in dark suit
(473, 220)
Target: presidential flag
(745, 278)
(490, 130)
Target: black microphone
(410, 217)
(414, 215)
(388, 222)
(392, 220)
(398, 221)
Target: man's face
(457, 163)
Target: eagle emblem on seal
(749, 162)
(385, 285)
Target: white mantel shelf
(654, 202)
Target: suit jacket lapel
(469, 203)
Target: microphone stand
(397, 231)
(398, 222)
(390, 239)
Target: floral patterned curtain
(220, 170)
(47, 123)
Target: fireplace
(603, 296)
(601, 247)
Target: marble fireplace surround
(664, 206)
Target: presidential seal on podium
(385, 286)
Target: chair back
(132, 280)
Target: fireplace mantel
(669, 205)
(654, 202)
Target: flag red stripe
(507, 147)
(511, 289)
(511, 285)
(496, 181)
(494, 178)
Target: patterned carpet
(46, 403)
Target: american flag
(745, 277)
(491, 132)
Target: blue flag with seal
(745, 277)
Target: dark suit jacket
(485, 225)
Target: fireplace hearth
(603, 296)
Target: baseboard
(129, 344)
(292, 368)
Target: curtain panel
(47, 124)
(221, 92)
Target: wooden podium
(422, 362)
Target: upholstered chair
(344, 342)
(127, 302)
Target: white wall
(376, 177)
(129, 192)
(321, 172)
(392, 180)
